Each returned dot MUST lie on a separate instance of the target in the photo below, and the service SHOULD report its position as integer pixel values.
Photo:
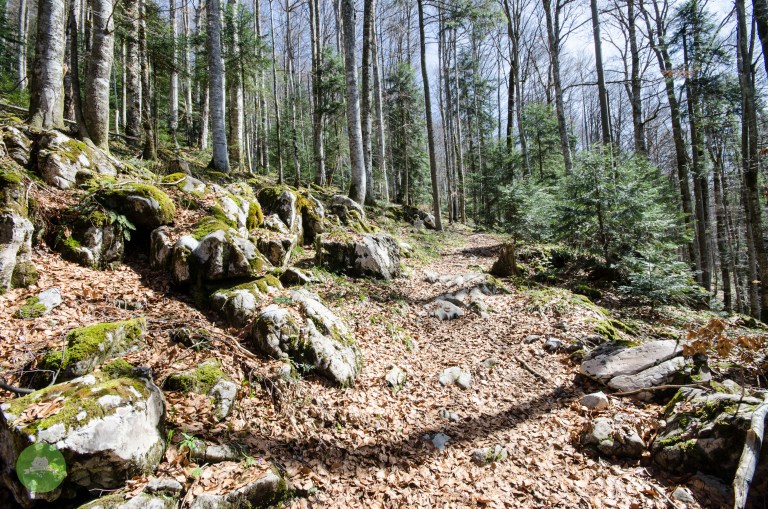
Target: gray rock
(163, 485)
(595, 401)
(276, 248)
(704, 431)
(94, 246)
(628, 361)
(215, 453)
(160, 248)
(312, 218)
(144, 205)
(140, 501)
(296, 277)
(224, 394)
(367, 255)
(456, 376)
(240, 304)
(60, 157)
(16, 144)
(444, 310)
(182, 250)
(683, 495)
(192, 185)
(224, 255)
(430, 276)
(651, 377)
(49, 298)
(553, 345)
(285, 204)
(15, 250)
(311, 335)
(267, 491)
(451, 416)
(107, 430)
(440, 440)
(40, 305)
(531, 338)
(612, 439)
(207, 378)
(341, 206)
(274, 223)
(488, 455)
(396, 378)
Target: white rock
(595, 401)
(629, 361)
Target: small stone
(595, 401)
(683, 495)
(440, 440)
(445, 310)
(450, 375)
(562, 326)
(465, 380)
(396, 378)
(531, 338)
(488, 455)
(553, 345)
(163, 485)
(430, 276)
(451, 416)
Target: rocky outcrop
(311, 334)
(17, 145)
(16, 267)
(284, 203)
(60, 157)
(160, 248)
(88, 347)
(360, 255)
(94, 242)
(108, 430)
(312, 217)
(276, 247)
(222, 255)
(208, 379)
(40, 304)
(267, 491)
(240, 304)
(145, 206)
(629, 369)
(140, 501)
(705, 431)
(613, 438)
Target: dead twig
(532, 371)
(660, 388)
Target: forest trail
(377, 450)
(366, 446)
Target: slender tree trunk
(132, 74)
(358, 182)
(69, 99)
(234, 83)
(279, 148)
(636, 99)
(430, 129)
(369, 11)
(173, 121)
(74, 54)
(22, 46)
(722, 235)
(96, 108)
(381, 160)
(205, 118)
(293, 94)
(150, 149)
(553, 36)
(602, 92)
(220, 160)
(317, 97)
(760, 12)
(264, 120)
(46, 102)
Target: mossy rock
(88, 347)
(144, 205)
(12, 189)
(118, 501)
(210, 224)
(199, 380)
(32, 308)
(588, 291)
(255, 216)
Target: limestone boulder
(207, 378)
(108, 430)
(629, 361)
(17, 145)
(284, 203)
(310, 334)
(238, 305)
(364, 255)
(60, 157)
(222, 255)
(160, 248)
(16, 267)
(144, 205)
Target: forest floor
(366, 446)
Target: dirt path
(370, 448)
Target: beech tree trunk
(22, 46)
(317, 107)
(173, 121)
(381, 160)
(46, 102)
(234, 84)
(553, 37)
(369, 11)
(602, 92)
(276, 102)
(96, 107)
(358, 182)
(220, 160)
(132, 74)
(430, 129)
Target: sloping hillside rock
(144, 205)
(160, 248)
(277, 248)
(108, 430)
(284, 203)
(224, 255)
(182, 250)
(208, 379)
(16, 267)
(266, 491)
(362, 255)
(16, 143)
(311, 334)
(629, 361)
(94, 243)
(238, 204)
(88, 347)
(705, 431)
(60, 157)
(239, 305)
(296, 277)
(312, 218)
(652, 377)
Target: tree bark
(553, 37)
(220, 160)
(132, 74)
(150, 149)
(602, 92)
(430, 129)
(96, 108)
(173, 121)
(234, 84)
(369, 11)
(317, 106)
(279, 147)
(46, 102)
(636, 90)
(354, 128)
(22, 46)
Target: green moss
(255, 216)
(199, 380)
(218, 213)
(87, 342)
(24, 274)
(609, 329)
(588, 291)
(115, 197)
(31, 309)
(119, 368)
(72, 148)
(77, 399)
(9, 176)
(208, 225)
(174, 177)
